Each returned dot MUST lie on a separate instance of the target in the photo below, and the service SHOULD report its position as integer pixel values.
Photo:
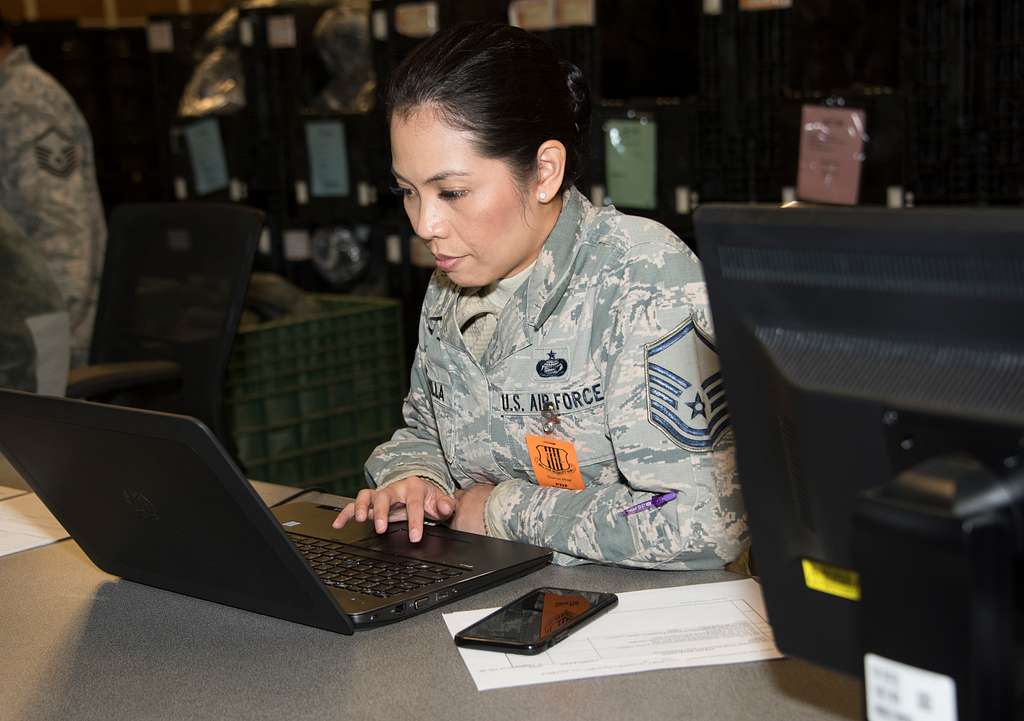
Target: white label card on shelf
(379, 24)
(894, 196)
(281, 31)
(683, 199)
(575, 13)
(297, 245)
(393, 249)
(416, 20)
(532, 14)
(160, 37)
(245, 32)
(365, 194)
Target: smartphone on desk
(537, 621)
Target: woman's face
(467, 208)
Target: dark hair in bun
(504, 85)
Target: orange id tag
(554, 463)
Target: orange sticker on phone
(554, 463)
(559, 611)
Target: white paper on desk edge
(26, 523)
(638, 625)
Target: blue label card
(206, 152)
(328, 159)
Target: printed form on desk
(702, 625)
(25, 522)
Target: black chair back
(174, 284)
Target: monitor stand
(938, 550)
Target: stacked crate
(309, 398)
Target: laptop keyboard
(339, 568)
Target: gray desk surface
(76, 643)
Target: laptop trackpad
(433, 546)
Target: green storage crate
(309, 397)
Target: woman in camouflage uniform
(565, 370)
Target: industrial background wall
(719, 84)
(695, 101)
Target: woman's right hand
(408, 499)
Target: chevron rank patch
(56, 153)
(685, 396)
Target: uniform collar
(553, 269)
(18, 58)
(535, 299)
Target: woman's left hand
(469, 508)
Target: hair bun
(579, 112)
(579, 92)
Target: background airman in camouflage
(48, 184)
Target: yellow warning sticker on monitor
(832, 580)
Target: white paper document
(25, 523)
(701, 625)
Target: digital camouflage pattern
(612, 328)
(48, 185)
(30, 308)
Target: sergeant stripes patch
(56, 153)
(692, 417)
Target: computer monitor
(874, 364)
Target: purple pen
(653, 502)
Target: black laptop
(153, 498)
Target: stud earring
(542, 196)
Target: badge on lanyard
(554, 460)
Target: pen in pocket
(653, 502)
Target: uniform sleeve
(668, 423)
(50, 185)
(414, 450)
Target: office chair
(173, 288)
